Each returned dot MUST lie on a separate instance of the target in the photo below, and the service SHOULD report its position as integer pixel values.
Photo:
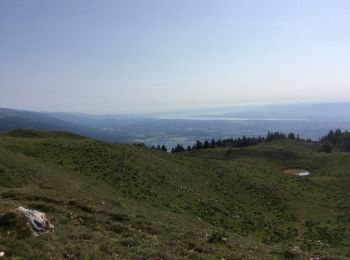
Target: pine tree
(291, 136)
(199, 145)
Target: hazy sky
(150, 55)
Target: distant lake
(228, 118)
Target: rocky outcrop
(37, 220)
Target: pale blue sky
(150, 55)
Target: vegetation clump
(217, 237)
(15, 225)
(336, 140)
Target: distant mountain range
(309, 111)
(318, 111)
(11, 119)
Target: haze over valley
(312, 120)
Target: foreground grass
(121, 201)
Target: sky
(113, 56)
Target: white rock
(303, 173)
(2, 254)
(36, 219)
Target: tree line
(335, 140)
(236, 142)
(158, 147)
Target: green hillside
(116, 201)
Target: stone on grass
(37, 220)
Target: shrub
(326, 147)
(15, 222)
(217, 237)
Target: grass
(121, 201)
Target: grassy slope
(126, 201)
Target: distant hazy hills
(317, 111)
(310, 111)
(11, 119)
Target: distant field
(186, 131)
